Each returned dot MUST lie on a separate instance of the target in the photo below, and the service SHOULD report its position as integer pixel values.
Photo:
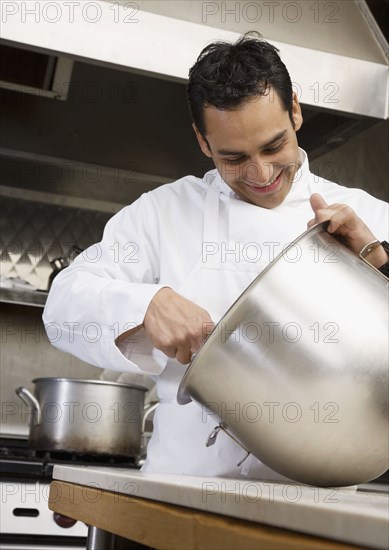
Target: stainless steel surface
(23, 297)
(212, 440)
(315, 26)
(136, 51)
(149, 410)
(31, 402)
(146, 434)
(99, 539)
(371, 24)
(297, 369)
(75, 182)
(45, 212)
(35, 233)
(85, 416)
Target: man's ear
(202, 141)
(296, 113)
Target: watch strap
(384, 269)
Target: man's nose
(257, 172)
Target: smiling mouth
(269, 187)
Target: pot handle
(31, 401)
(212, 440)
(147, 411)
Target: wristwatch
(384, 269)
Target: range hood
(336, 91)
(35, 73)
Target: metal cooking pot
(297, 369)
(85, 416)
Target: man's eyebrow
(227, 152)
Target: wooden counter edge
(170, 527)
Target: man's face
(254, 147)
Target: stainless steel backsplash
(34, 233)
(39, 221)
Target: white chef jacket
(167, 238)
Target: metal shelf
(35, 298)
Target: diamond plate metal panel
(32, 234)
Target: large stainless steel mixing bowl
(297, 369)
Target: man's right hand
(175, 325)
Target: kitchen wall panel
(362, 162)
(27, 354)
(34, 233)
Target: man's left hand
(344, 223)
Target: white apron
(181, 431)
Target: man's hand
(344, 223)
(175, 325)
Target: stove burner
(15, 447)
(17, 460)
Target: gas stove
(25, 476)
(18, 461)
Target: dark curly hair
(225, 75)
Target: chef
(169, 265)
